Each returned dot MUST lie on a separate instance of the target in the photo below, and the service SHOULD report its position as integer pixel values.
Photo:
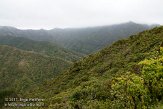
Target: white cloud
(78, 13)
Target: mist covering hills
(82, 40)
(92, 39)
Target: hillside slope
(21, 70)
(99, 80)
(42, 47)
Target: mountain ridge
(42, 47)
(89, 83)
(82, 40)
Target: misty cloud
(78, 13)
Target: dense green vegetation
(127, 74)
(42, 47)
(21, 70)
(29, 64)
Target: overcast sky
(49, 14)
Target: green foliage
(101, 81)
(129, 92)
(153, 76)
(22, 70)
(125, 75)
(140, 91)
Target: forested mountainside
(25, 63)
(37, 35)
(88, 40)
(43, 47)
(82, 40)
(22, 70)
(126, 75)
